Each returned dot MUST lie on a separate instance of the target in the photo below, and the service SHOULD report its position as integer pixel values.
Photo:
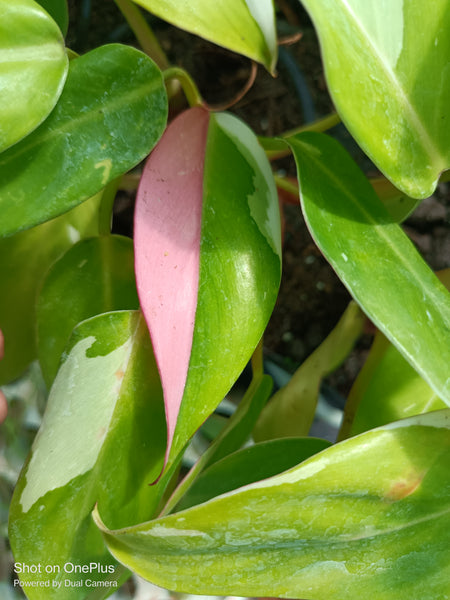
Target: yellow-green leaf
(244, 26)
(374, 258)
(387, 68)
(33, 68)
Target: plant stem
(257, 360)
(143, 32)
(187, 83)
(277, 148)
(286, 185)
(106, 207)
(320, 125)
(185, 484)
(129, 182)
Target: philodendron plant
(140, 340)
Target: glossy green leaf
(102, 439)
(33, 68)
(374, 258)
(249, 465)
(208, 260)
(368, 518)
(387, 69)
(58, 10)
(389, 390)
(110, 115)
(24, 260)
(291, 410)
(93, 277)
(244, 26)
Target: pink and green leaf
(208, 261)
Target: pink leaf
(167, 231)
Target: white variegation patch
(79, 411)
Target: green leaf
(249, 465)
(291, 410)
(58, 10)
(110, 115)
(244, 26)
(232, 437)
(33, 68)
(374, 258)
(25, 259)
(95, 276)
(388, 389)
(368, 517)
(390, 84)
(102, 439)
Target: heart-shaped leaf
(110, 115)
(207, 246)
(30, 254)
(244, 26)
(386, 64)
(33, 68)
(102, 439)
(368, 517)
(93, 277)
(374, 258)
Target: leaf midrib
(272, 543)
